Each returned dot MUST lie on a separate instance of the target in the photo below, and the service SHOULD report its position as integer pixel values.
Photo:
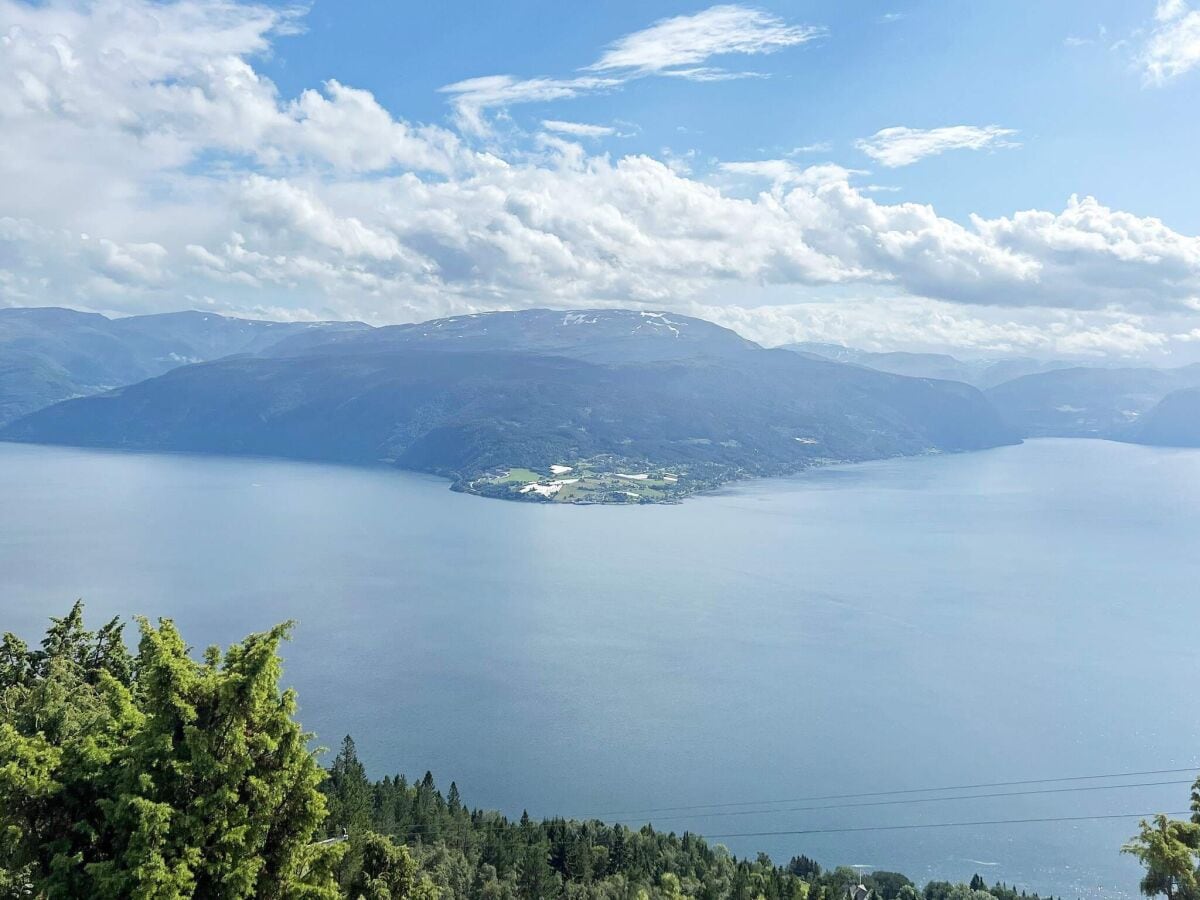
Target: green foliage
(388, 872)
(482, 855)
(154, 776)
(1168, 849)
(347, 792)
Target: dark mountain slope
(464, 412)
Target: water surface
(1027, 612)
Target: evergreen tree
(388, 872)
(348, 792)
(156, 776)
(536, 878)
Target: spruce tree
(348, 791)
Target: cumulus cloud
(148, 161)
(1173, 46)
(901, 146)
(171, 81)
(39, 263)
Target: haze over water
(912, 623)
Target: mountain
(48, 354)
(664, 392)
(1087, 402)
(1172, 422)
(600, 336)
(982, 373)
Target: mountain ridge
(655, 392)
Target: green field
(521, 476)
(592, 481)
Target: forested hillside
(474, 398)
(478, 854)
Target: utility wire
(840, 806)
(514, 835)
(927, 790)
(940, 825)
(505, 820)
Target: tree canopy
(154, 775)
(1169, 849)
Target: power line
(893, 793)
(505, 821)
(939, 825)
(1067, 790)
(512, 832)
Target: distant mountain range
(581, 406)
(49, 354)
(983, 373)
(1057, 398)
(473, 395)
(1082, 402)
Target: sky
(972, 176)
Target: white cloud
(779, 171)
(578, 129)
(473, 97)
(901, 146)
(1173, 46)
(678, 47)
(906, 323)
(168, 81)
(147, 125)
(819, 147)
(686, 42)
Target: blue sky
(1086, 124)
(980, 177)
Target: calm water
(1029, 612)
